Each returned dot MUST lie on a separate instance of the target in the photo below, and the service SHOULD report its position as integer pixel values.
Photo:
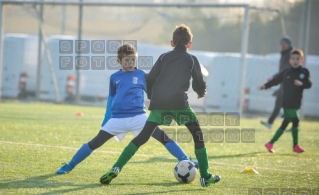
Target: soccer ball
(185, 171)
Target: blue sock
(176, 150)
(80, 155)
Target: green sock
(202, 158)
(277, 135)
(294, 132)
(126, 155)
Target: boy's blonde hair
(182, 35)
(297, 52)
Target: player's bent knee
(160, 136)
(99, 140)
(284, 125)
(295, 122)
(138, 141)
(93, 145)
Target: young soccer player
(294, 80)
(125, 111)
(168, 83)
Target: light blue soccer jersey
(126, 95)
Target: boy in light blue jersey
(125, 111)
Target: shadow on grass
(38, 181)
(154, 159)
(166, 184)
(42, 182)
(195, 191)
(109, 187)
(164, 159)
(76, 188)
(170, 185)
(251, 154)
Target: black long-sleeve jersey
(292, 93)
(169, 80)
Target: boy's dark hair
(182, 35)
(297, 52)
(124, 50)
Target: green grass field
(35, 138)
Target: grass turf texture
(35, 138)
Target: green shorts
(165, 117)
(290, 114)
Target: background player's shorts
(119, 127)
(289, 114)
(165, 117)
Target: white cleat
(266, 124)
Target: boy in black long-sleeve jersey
(295, 80)
(167, 86)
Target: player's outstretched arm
(112, 91)
(198, 84)
(276, 80)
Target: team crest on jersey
(135, 79)
(302, 75)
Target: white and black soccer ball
(185, 171)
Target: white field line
(149, 156)
(68, 148)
